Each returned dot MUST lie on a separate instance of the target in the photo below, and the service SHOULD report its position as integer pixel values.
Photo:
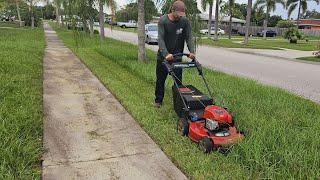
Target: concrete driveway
(301, 78)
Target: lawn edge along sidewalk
(87, 132)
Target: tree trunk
(299, 9)
(230, 21)
(91, 27)
(216, 23)
(101, 20)
(32, 15)
(18, 12)
(248, 18)
(58, 13)
(141, 31)
(210, 19)
(265, 24)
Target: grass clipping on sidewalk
(21, 55)
(283, 130)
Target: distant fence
(255, 29)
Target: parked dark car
(270, 33)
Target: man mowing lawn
(174, 29)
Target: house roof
(309, 22)
(205, 17)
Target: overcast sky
(279, 11)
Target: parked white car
(205, 31)
(151, 33)
(96, 24)
(130, 24)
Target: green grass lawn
(21, 56)
(121, 29)
(227, 43)
(9, 24)
(258, 43)
(312, 58)
(283, 130)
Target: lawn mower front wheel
(183, 127)
(206, 145)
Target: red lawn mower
(200, 119)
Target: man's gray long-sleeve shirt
(172, 35)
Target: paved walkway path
(301, 78)
(87, 133)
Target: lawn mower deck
(200, 119)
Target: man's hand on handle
(192, 56)
(169, 57)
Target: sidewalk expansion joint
(95, 160)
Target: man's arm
(189, 39)
(162, 46)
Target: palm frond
(290, 2)
(304, 6)
(292, 7)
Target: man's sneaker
(157, 105)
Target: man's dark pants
(162, 74)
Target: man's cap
(179, 7)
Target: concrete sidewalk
(87, 133)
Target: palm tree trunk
(216, 23)
(91, 26)
(230, 21)
(18, 12)
(101, 20)
(299, 9)
(31, 12)
(249, 9)
(265, 24)
(57, 13)
(141, 31)
(210, 19)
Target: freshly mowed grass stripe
(263, 44)
(283, 140)
(21, 103)
(312, 58)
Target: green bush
(293, 35)
(317, 53)
(285, 24)
(95, 31)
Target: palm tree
(270, 5)
(204, 7)
(101, 19)
(57, 4)
(302, 4)
(18, 12)
(31, 10)
(248, 18)
(141, 31)
(216, 23)
(108, 3)
(231, 7)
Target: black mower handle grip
(180, 54)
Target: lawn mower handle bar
(180, 54)
(194, 63)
